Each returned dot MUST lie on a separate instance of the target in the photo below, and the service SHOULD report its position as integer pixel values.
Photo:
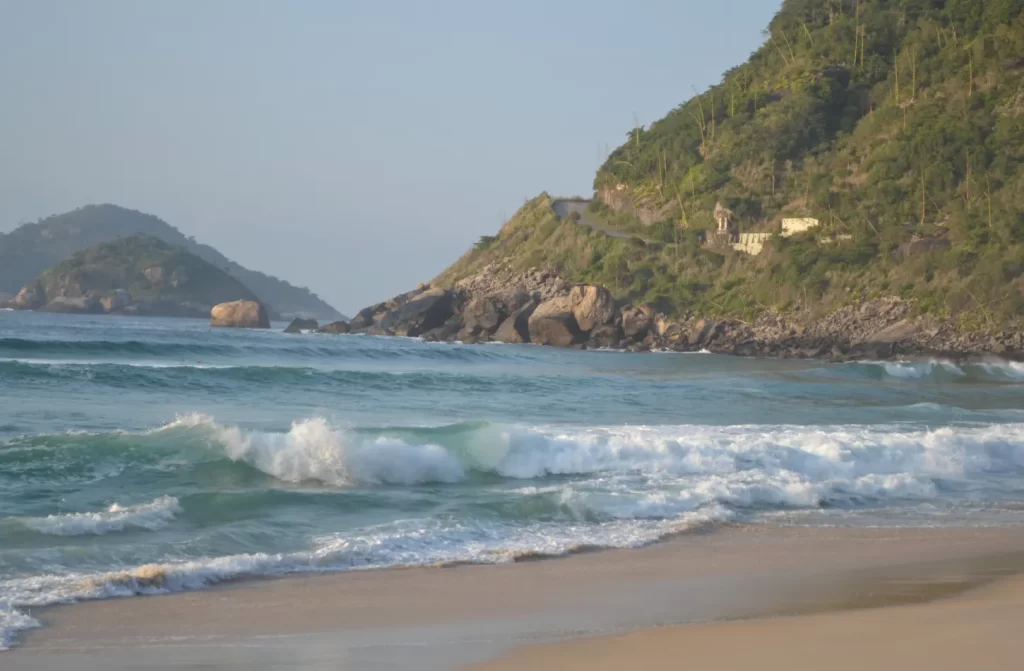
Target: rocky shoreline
(500, 305)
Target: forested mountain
(30, 249)
(897, 124)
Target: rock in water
(482, 315)
(592, 306)
(419, 313)
(299, 325)
(606, 336)
(334, 328)
(636, 321)
(240, 314)
(516, 328)
(553, 323)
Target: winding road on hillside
(565, 207)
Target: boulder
(299, 325)
(702, 332)
(553, 323)
(418, 314)
(605, 336)
(592, 306)
(76, 305)
(334, 328)
(116, 302)
(516, 327)
(240, 314)
(446, 332)
(636, 321)
(31, 297)
(483, 314)
(365, 317)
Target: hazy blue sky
(355, 147)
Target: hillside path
(565, 207)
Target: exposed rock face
(537, 307)
(483, 314)
(31, 297)
(74, 305)
(116, 302)
(240, 314)
(592, 306)
(516, 327)
(418, 314)
(606, 336)
(636, 321)
(334, 328)
(553, 323)
(299, 325)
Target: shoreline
(471, 613)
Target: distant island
(139, 275)
(854, 189)
(31, 249)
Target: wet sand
(443, 617)
(977, 630)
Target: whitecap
(153, 515)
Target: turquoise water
(142, 456)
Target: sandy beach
(591, 610)
(979, 629)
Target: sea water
(143, 456)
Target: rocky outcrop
(592, 306)
(31, 297)
(117, 301)
(553, 323)
(422, 312)
(515, 329)
(537, 306)
(334, 328)
(240, 314)
(299, 325)
(74, 305)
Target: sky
(354, 147)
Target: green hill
(161, 278)
(897, 124)
(30, 249)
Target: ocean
(144, 456)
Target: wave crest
(153, 515)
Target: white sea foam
(1010, 369)
(643, 483)
(313, 450)
(153, 515)
(747, 466)
(918, 370)
(400, 544)
(86, 363)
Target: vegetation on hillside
(150, 269)
(30, 249)
(897, 122)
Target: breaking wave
(938, 371)
(153, 515)
(654, 481)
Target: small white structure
(751, 243)
(798, 225)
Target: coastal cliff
(856, 188)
